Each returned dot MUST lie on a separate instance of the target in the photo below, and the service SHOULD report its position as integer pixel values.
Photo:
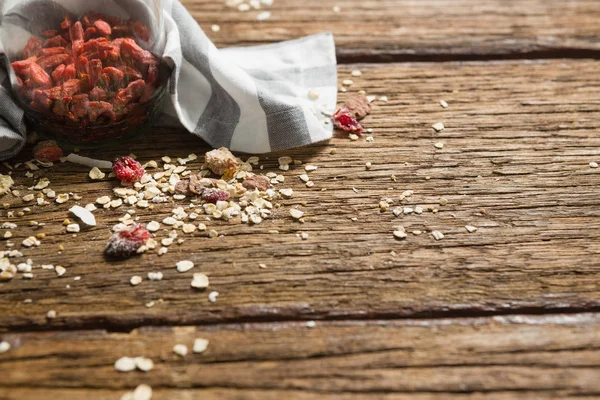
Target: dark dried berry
(128, 170)
(47, 151)
(126, 242)
(342, 119)
(211, 195)
(259, 182)
(182, 187)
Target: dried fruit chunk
(345, 121)
(53, 60)
(39, 76)
(126, 242)
(132, 92)
(221, 160)
(211, 195)
(47, 151)
(5, 183)
(358, 105)
(259, 182)
(128, 170)
(103, 28)
(32, 48)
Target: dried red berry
(211, 195)
(126, 242)
(345, 121)
(47, 151)
(128, 170)
(103, 28)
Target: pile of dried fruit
(89, 71)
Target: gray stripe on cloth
(286, 124)
(222, 114)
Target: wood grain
(518, 141)
(500, 357)
(401, 30)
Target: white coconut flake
(438, 127)
(180, 350)
(89, 162)
(200, 281)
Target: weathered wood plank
(518, 141)
(502, 357)
(409, 30)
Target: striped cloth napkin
(252, 99)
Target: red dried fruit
(126, 242)
(90, 33)
(259, 182)
(98, 108)
(82, 65)
(32, 47)
(95, 69)
(70, 72)
(56, 41)
(50, 33)
(131, 74)
(103, 28)
(98, 94)
(47, 151)
(39, 76)
(51, 51)
(66, 23)
(345, 121)
(211, 195)
(22, 67)
(53, 61)
(128, 170)
(141, 31)
(76, 32)
(132, 92)
(58, 74)
(182, 187)
(115, 75)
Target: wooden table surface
(510, 311)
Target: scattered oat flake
(135, 280)
(262, 266)
(212, 297)
(144, 364)
(103, 200)
(593, 164)
(60, 270)
(96, 174)
(180, 349)
(439, 145)
(336, 9)
(443, 104)
(200, 345)
(73, 228)
(4, 347)
(400, 234)
(296, 214)
(155, 276)
(62, 198)
(84, 215)
(215, 28)
(263, 16)
(153, 226)
(125, 364)
(438, 127)
(470, 228)
(199, 281)
(437, 235)
(184, 265)
(51, 314)
(356, 73)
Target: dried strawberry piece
(90, 33)
(58, 74)
(95, 69)
(79, 105)
(131, 74)
(115, 49)
(66, 23)
(259, 182)
(32, 48)
(132, 92)
(128, 170)
(198, 184)
(345, 121)
(100, 108)
(76, 32)
(211, 195)
(56, 41)
(103, 28)
(182, 187)
(53, 61)
(62, 107)
(50, 51)
(70, 72)
(126, 242)
(47, 151)
(82, 65)
(41, 101)
(129, 48)
(115, 75)
(50, 33)
(39, 76)
(98, 94)
(97, 48)
(22, 67)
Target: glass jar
(86, 71)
